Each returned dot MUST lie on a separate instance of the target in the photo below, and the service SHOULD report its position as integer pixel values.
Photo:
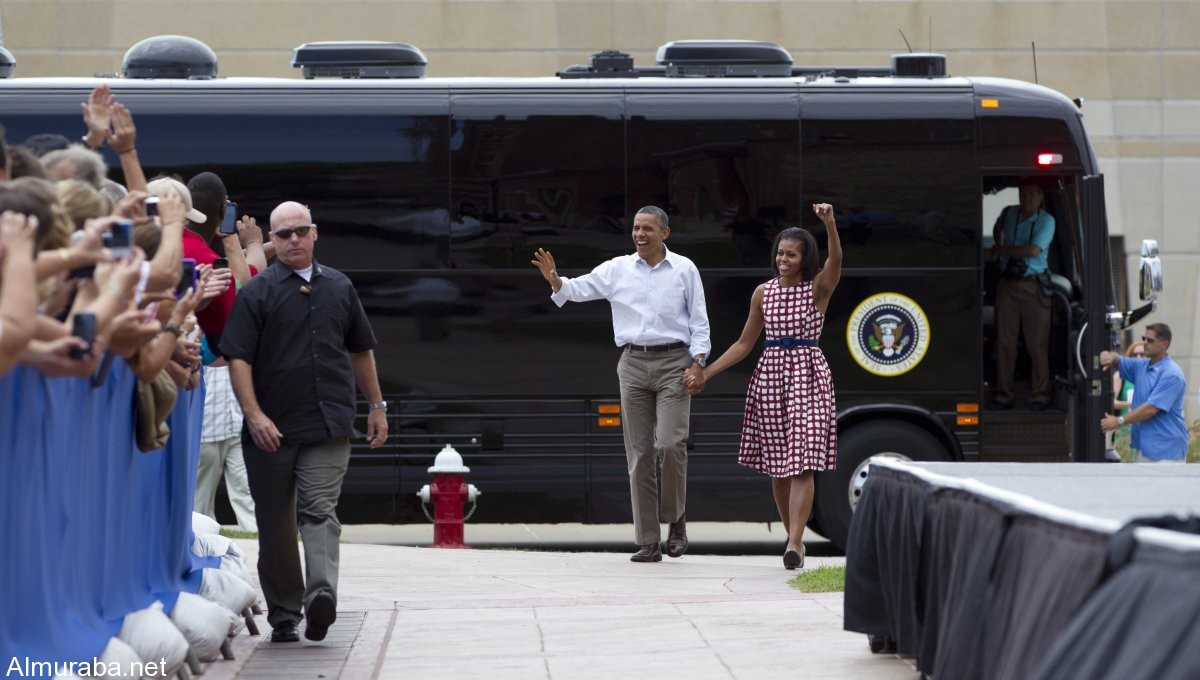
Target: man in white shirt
(661, 324)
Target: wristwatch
(375, 406)
(700, 359)
(173, 329)
(1120, 421)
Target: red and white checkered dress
(790, 423)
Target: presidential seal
(888, 334)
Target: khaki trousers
(1021, 308)
(224, 457)
(297, 481)
(655, 409)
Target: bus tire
(838, 490)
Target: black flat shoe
(793, 560)
(285, 632)
(319, 616)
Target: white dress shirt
(650, 305)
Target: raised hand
(544, 261)
(97, 114)
(123, 135)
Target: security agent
(298, 342)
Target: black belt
(788, 343)
(656, 348)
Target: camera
(151, 205)
(120, 239)
(188, 279)
(1015, 269)
(229, 224)
(83, 327)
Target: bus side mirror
(1150, 269)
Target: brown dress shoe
(647, 553)
(677, 542)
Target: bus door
(1029, 429)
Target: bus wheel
(838, 491)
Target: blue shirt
(655, 305)
(1162, 385)
(1037, 229)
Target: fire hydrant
(448, 494)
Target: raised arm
(122, 138)
(829, 276)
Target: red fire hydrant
(448, 494)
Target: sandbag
(232, 559)
(126, 659)
(226, 590)
(152, 635)
(203, 524)
(205, 624)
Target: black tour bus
(432, 195)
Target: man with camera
(1022, 234)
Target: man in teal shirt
(1023, 234)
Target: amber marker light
(968, 414)
(610, 415)
(989, 103)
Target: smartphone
(188, 279)
(221, 263)
(229, 224)
(83, 327)
(120, 239)
(152, 206)
(84, 272)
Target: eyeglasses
(286, 234)
(1146, 339)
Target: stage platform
(1029, 570)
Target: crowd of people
(156, 276)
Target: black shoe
(319, 615)
(285, 632)
(999, 406)
(793, 560)
(1038, 406)
(647, 553)
(677, 542)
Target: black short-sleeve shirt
(297, 336)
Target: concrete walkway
(515, 613)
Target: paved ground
(520, 613)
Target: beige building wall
(1135, 62)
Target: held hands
(693, 379)
(544, 261)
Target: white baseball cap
(162, 184)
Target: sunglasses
(286, 234)
(1146, 339)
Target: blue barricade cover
(94, 528)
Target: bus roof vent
(7, 63)
(170, 56)
(607, 64)
(919, 65)
(724, 58)
(359, 59)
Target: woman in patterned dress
(790, 427)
